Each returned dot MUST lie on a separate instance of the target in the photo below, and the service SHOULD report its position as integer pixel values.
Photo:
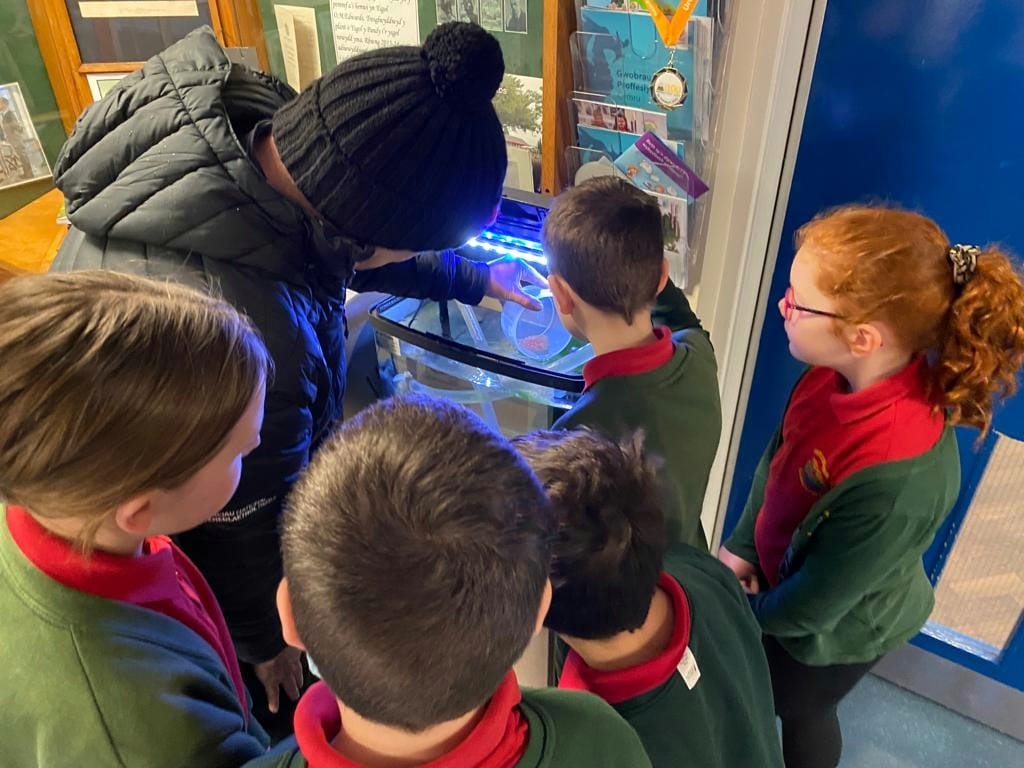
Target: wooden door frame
(556, 127)
(236, 23)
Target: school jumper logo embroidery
(814, 476)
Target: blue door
(921, 103)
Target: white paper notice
(126, 9)
(300, 47)
(362, 25)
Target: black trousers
(806, 700)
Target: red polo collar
(632, 360)
(854, 406)
(497, 741)
(624, 684)
(137, 580)
(162, 579)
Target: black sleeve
(672, 308)
(239, 551)
(242, 563)
(438, 276)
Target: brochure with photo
(597, 114)
(654, 167)
(619, 54)
(674, 233)
(614, 143)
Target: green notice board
(516, 23)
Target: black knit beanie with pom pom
(401, 147)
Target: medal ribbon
(672, 29)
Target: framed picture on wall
(21, 155)
(447, 10)
(102, 84)
(516, 20)
(469, 10)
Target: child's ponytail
(962, 306)
(981, 347)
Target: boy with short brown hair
(654, 367)
(416, 554)
(664, 635)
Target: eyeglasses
(788, 306)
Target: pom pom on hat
(465, 62)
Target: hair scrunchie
(964, 259)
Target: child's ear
(135, 516)
(562, 294)
(284, 609)
(865, 339)
(545, 605)
(663, 280)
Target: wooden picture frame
(101, 83)
(22, 160)
(235, 22)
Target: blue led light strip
(530, 245)
(504, 250)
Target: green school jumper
(727, 719)
(96, 682)
(565, 730)
(853, 586)
(676, 404)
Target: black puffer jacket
(159, 182)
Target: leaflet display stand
(628, 83)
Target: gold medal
(668, 88)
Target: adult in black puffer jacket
(206, 173)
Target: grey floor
(887, 727)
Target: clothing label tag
(313, 668)
(689, 670)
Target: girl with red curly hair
(907, 336)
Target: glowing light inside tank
(531, 245)
(504, 245)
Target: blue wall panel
(918, 103)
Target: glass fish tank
(518, 374)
